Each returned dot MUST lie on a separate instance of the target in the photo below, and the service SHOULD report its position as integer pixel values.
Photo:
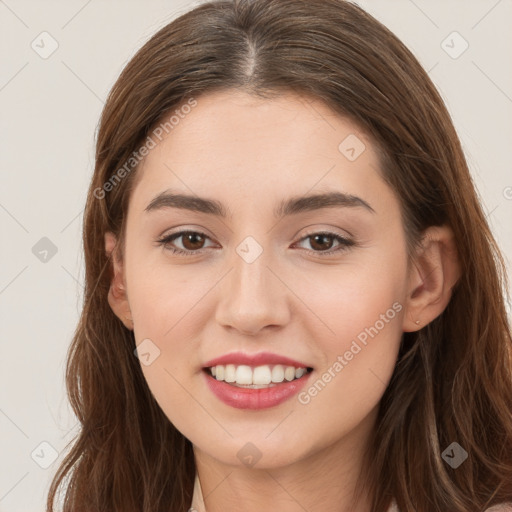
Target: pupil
(321, 237)
(191, 237)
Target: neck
(324, 481)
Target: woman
(293, 298)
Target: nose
(253, 296)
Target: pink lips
(247, 398)
(258, 359)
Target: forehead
(232, 144)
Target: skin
(250, 154)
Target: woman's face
(263, 278)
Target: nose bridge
(252, 296)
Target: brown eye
(321, 243)
(192, 242)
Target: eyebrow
(291, 206)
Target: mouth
(256, 377)
(256, 388)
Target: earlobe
(434, 272)
(117, 296)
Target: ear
(433, 273)
(117, 297)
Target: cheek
(363, 292)
(366, 316)
(165, 311)
(164, 298)
(165, 302)
(165, 308)
(361, 306)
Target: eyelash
(345, 243)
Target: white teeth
(289, 373)
(244, 374)
(278, 373)
(259, 376)
(230, 373)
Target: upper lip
(258, 359)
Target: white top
(197, 498)
(198, 502)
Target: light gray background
(49, 113)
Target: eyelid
(166, 239)
(344, 242)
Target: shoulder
(504, 507)
(393, 507)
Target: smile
(256, 377)
(256, 396)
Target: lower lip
(247, 398)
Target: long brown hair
(453, 378)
